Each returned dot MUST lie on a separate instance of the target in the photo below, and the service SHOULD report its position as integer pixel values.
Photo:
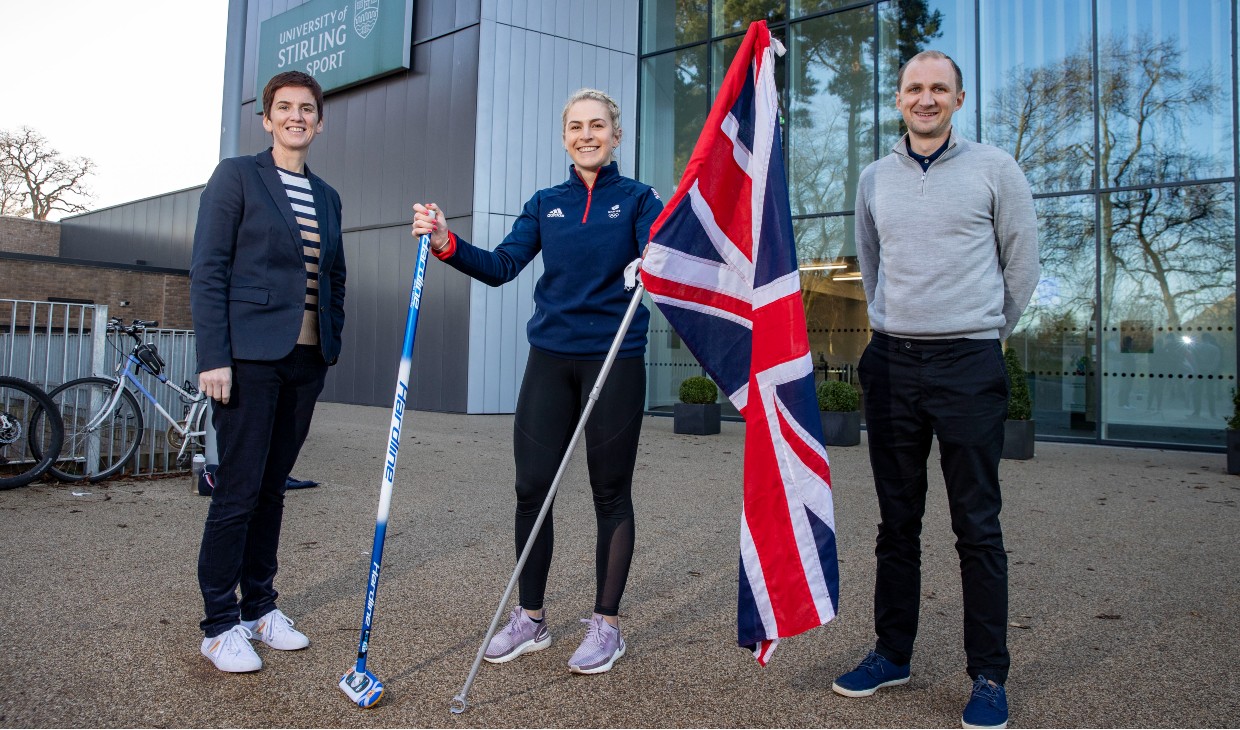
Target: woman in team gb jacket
(588, 229)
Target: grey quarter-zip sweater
(949, 252)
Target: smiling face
(293, 119)
(927, 98)
(589, 135)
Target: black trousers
(259, 433)
(553, 393)
(956, 390)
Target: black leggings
(553, 394)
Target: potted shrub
(697, 412)
(1233, 435)
(839, 406)
(1018, 428)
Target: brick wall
(25, 235)
(150, 295)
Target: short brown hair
(939, 55)
(291, 78)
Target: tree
(12, 197)
(834, 136)
(37, 179)
(1163, 248)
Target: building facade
(1123, 114)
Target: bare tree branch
(37, 179)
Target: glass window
(671, 23)
(831, 109)
(673, 109)
(1168, 313)
(835, 307)
(910, 27)
(1164, 72)
(800, 8)
(731, 16)
(1055, 338)
(668, 363)
(1037, 89)
(723, 52)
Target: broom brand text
(398, 415)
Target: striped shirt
(301, 197)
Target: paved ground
(1124, 597)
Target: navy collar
(925, 160)
(606, 174)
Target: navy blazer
(247, 278)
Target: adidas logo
(557, 213)
(614, 212)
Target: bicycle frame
(197, 402)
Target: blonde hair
(613, 109)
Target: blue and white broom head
(362, 687)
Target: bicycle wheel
(95, 447)
(19, 401)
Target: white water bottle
(198, 466)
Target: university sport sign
(339, 42)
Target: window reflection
(835, 307)
(1164, 76)
(673, 110)
(831, 120)
(1055, 337)
(1037, 92)
(910, 27)
(723, 52)
(671, 23)
(736, 15)
(1168, 312)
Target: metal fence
(49, 343)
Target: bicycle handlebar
(134, 330)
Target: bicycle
(20, 402)
(102, 420)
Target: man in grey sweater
(947, 245)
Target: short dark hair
(291, 78)
(936, 55)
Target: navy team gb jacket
(587, 236)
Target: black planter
(696, 418)
(841, 428)
(1233, 452)
(1018, 439)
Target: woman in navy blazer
(267, 296)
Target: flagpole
(631, 281)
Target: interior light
(822, 267)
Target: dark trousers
(553, 393)
(956, 390)
(260, 432)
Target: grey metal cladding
(532, 55)
(156, 230)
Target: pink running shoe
(600, 649)
(522, 634)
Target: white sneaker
(231, 651)
(276, 630)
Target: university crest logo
(365, 16)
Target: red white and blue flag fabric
(721, 264)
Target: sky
(136, 86)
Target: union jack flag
(721, 264)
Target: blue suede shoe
(872, 674)
(987, 707)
